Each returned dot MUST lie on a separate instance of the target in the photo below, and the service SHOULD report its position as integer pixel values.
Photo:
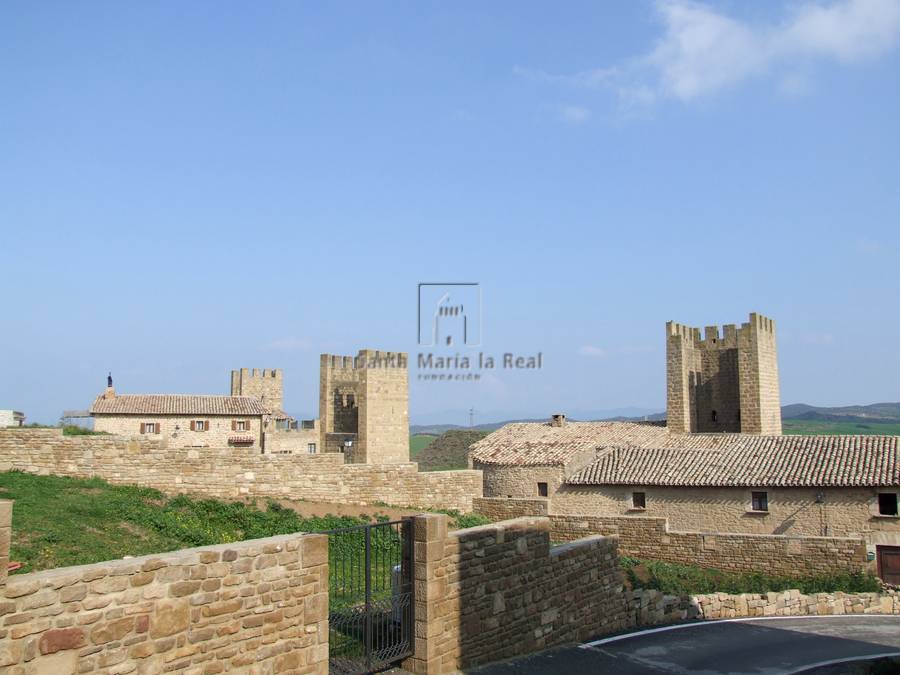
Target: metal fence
(371, 596)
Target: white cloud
(592, 350)
(573, 114)
(868, 246)
(818, 339)
(702, 50)
(289, 344)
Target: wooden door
(889, 564)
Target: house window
(149, 428)
(887, 504)
(199, 425)
(759, 501)
(311, 448)
(639, 500)
(542, 489)
(240, 425)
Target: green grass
(59, 521)
(418, 442)
(840, 428)
(674, 579)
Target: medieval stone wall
(500, 590)
(217, 609)
(235, 472)
(651, 538)
(520, 481)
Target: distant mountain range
(888, 413)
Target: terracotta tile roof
(177, 404)
(535, 444)
(753, 461)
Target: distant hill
(875, 413)
(450, 450)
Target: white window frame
(150, 427)
(311, 448)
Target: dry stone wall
(650, 607)
(235, 472)
(253, 606)
(500, 590)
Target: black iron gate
(370, 597)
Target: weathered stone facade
(726, 382)
(500, 590)
(521, 481)
(182, 431)
(235, 472)
(364, 406)
(653, 539)
(253, 606)
(816, 512)
(305, 438)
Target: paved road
(761, 647)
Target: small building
(182, 420)
(11, 418)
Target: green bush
(675, 579)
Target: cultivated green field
(418, 442)
(840, 428)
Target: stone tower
(364, 406)
(266, 385)
(726, 382)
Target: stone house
(182, 420)
(835, 486)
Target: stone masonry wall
(252, 606)
(644, 537)
(235, 472)
(650, 607)
(175, 430)
(500, 590)
(833, 512)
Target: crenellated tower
(364, 406)
(723, 381)
(266, 385)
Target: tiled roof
(175, 404)
(533, 444)
(753, 461)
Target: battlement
(724, 337)
(366, 359)
(266, 384)
(274, 373)
(723, 379)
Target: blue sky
(187, 188)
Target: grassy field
(676, 579)
(418, 442)
(449, 451)
(839, 428)
(59, 521)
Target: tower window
(715, 417)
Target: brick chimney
(558, 420)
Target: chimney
(558, 420)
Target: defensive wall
(252, 606)
(261, 606)
(235, 472)
(651, 538)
